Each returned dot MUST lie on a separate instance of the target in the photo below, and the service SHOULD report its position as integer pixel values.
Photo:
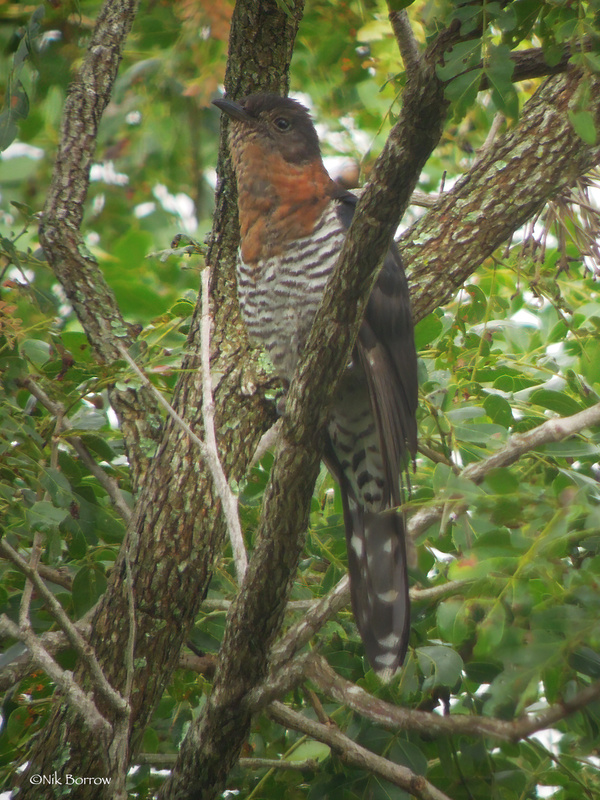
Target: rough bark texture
(60, 237)
(521, 171)
(177, 526)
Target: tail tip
(387, 674)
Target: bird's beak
(233, 110)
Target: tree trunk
(177, 527)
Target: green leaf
(43, 516)
(502, 481)
(37, 351)
(99, 446)
(182, 308)
(586, 661)
(584, 125)
(452, 621)
(498, 410)
(562, 403)
(307, 751)
(441, 666)
(427, 330)
(590, 360)
(17, 109)
(88, 586)
(17, 724)
(78, 345)
(57, 486)
(398, 5)
(491, 631)
(499, 69)
(107, 527)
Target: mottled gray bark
(521, 171)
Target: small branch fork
(116, 734)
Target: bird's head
(274, 124)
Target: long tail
(379, 585)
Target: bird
(293, 221)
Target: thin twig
(351, 753)
(72, 692)
(492, 135)
(74, 636)
(130, 652)
(267, 442)
(36, 547)
(36, 552)
(108, 484)
(519, 444)
(228, 499)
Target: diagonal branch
(356, 755)
(519, 444)
(407, 43)
(73, 693)
(82, 648)
(428, 724)
(75, 268)
(525, 168)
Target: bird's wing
(386, 350)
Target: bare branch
(74, 636)
(531, 63)
(228, 499)
(76, 269)
(130, 652)
(527, 166)
(73, 693)
(52, 642)
(279, 682)
(351, 753)
(519, 444)
(61, 576)
(407, 44)
(166, 760)
(313, 620)
(396, 718)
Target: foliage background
(518, 628)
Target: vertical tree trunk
(177, 527)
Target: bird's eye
(283, 124)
